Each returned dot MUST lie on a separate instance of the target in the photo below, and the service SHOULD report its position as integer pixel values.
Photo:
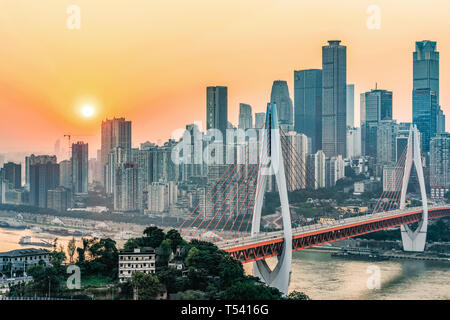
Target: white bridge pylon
(271, 163)
(414, 240)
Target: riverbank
(389, 254)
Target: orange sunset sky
(151, 60)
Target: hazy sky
(151, 60)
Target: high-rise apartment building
(334, 170)
(376, 105)
(12, 173)
(65, 174)
(315, 170)
(217, 109)
(59, 199)
(116, 133)
(126, 187)
(296, 150)
(350, 105)
(80, 168)
(386, 142)
(44, 176)
(440, 165)
(308, 105)
(334, 98)
(353, 142)
(260, 120)
(245, 116)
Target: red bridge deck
(269, 245)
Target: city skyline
(54, 103)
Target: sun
(87, 111)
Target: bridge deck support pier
(414, 240)
(279, 277)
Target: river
(321, 276)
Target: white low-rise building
(20, 260)
(143, 260)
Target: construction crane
(69, 137)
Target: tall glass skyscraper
(376, 106)
(427, 114)
(280, 96)
(217, 109)
(426, 67)
(334, 98)
(308, 105)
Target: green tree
(175, 238)
(146, 286)
(165, 250)
(192, 257)
(133, 243)
(169, 277)
(154, 236)
(191, 295)
(297, 295)
(231, 270)
(71, 247)
(85, 249)
(46, 280)
(249, 289)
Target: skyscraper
(376, 105)
(350, 105)
(353, 142)
(440, 165)
(315, 170)
(115, 133)
(426, 67)
(126, 187)
(401, 140)
(12, 173)
(334, 98)
(59, 199)
(27, 173)
(386, 142)
(117, 156)
(217, 109)
(441, 121)
(65, 174)
(245, 116)
(308, 105)
(80, 167)
(44, 176)
(144, 160)
(297, 148)
(260, 119)
(280, 96)
(425, 115)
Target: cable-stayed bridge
(230, 213)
